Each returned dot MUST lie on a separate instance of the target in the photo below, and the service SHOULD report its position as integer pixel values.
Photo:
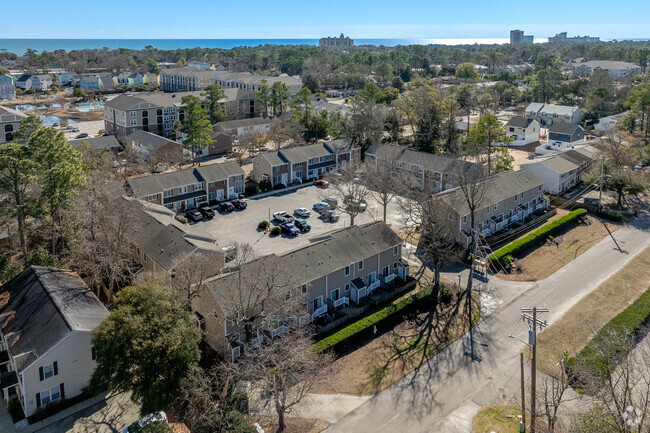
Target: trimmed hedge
(631, 320)
(539, 235)
(353, 331)
(609, 215)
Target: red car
(321, 183)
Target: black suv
(226, 206)
(193, 215)
(302, 225)
(206, 211)
(240, 204)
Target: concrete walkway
(446, 390)
(6, 425)
(330, 407)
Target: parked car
(193, 215)
(321, 205)
(289, 229)
(330, 216)
(239, 204)
(302, 226)
(321, 183)
(331, 201)
(82, 135)
(283, 217)
(302, 212)
(356, 204)
(226, 206)
(206, 211)
(152, 418)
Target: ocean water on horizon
(19, 46)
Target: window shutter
(56, 368)
(38, 399)
(40, 373)
(62, 391)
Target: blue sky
(251, 19)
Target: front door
(335, 294)
(371, 278)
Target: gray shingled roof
(563, 128)
(105, 142)
(560, 110)
(11, 114)
(215, 172)
(303, 153)
(559, 164)
(497, 188)
(231, 124)
(608, 64)
(339, 249)
(152, 141)
(274, 158)
(436, 163)
(342, 145)
(41, 306)
(520, 122)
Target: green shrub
(263, 225)
(629, 321)
(276, 231)
(540, 235)
(354, 330)
(251, 188)
(609, 215)
(15, 410)
(78, 93)
(508, 260)
(265, 185)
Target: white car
(302, 212)
(152, 418)
(283, 217)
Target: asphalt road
(444, 394)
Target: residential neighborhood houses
(547, 114)
(9, 123)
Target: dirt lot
(380, 361)
(545, 260)
(578, 325)
(521, 153)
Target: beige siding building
(46, 354)
(9, 123)
(338, 270)
(189, 79)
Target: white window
(336, 293)
(48, 370)
(182, 189)
(395, 265)
(516, 198)
(395, 250)
(464, 219)
(347, 271)
(522, 195)
(304, 289)
(132, 113)
(134, 122)
(347, 287)
(50, 395)
(212, 184)
(360, 265)
(385, 271)
(167, 193)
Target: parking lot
(241, 226)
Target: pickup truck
(283, 217)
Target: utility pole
(522, 427)
(600, 193)
(532, 341)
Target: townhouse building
(506, 198)
(547, 114)
(522, 130)
(154, 148)
(158, 112)
(615, 69)
(37, 82)
(159, 243)
(7, 87)
(336, 271)
(244, 128)
(415, 168)
(189, 80)
(66, 79)
(90, 82)
(9, 123)
(558, 173)
(46, 320)
(302, 163)
(186, 189)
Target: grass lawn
(578, 325)
(497, 418)
(380, 361)
(573, 241)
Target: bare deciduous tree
(347, 188)
(383, 187)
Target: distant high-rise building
(518, 37)
(562, 37)
(341, 41)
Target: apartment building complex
(46, 322)
(417, 169)
(9, 123)
(339, 269)
(186, 189)
(302, 163)
(190, 80)
(506, 198)
(547, 114)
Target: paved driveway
(241, 226)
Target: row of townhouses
(190, 80)
(547, 114)
(302, 163)
(186, 189)
(563, 170)
(336, 271)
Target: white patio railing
(341, 301)
(319, 311)
(373, 286)
(282, 329)
(390, 277)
